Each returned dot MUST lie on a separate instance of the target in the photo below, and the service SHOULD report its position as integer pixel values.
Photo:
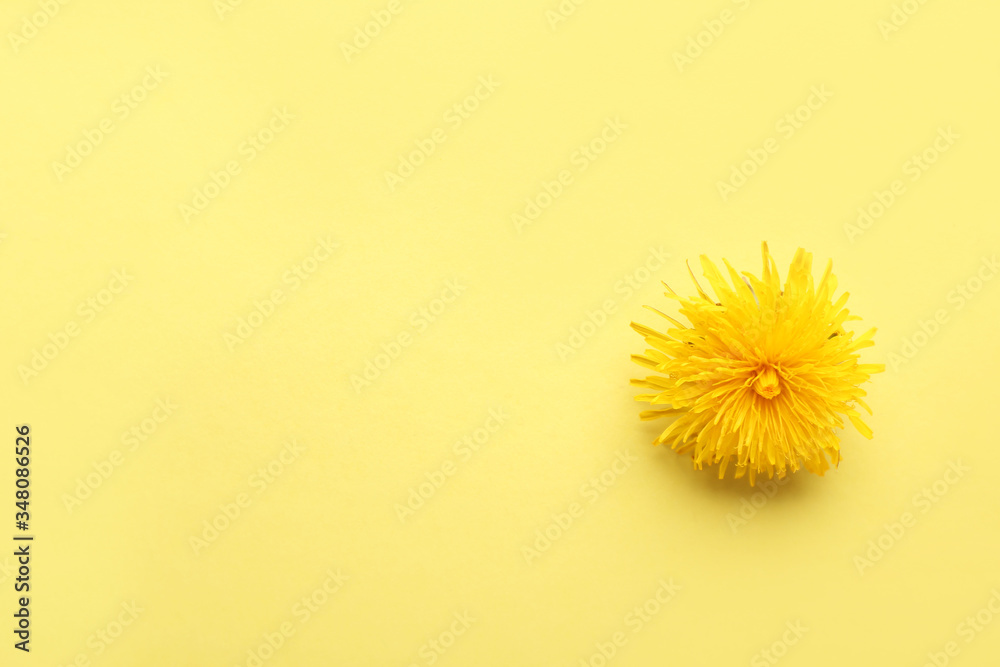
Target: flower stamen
(766, 383)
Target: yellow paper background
(523, 291)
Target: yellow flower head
(762, 375)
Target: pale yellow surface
(338, 122)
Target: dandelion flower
(763, 375)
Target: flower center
(766, 383)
